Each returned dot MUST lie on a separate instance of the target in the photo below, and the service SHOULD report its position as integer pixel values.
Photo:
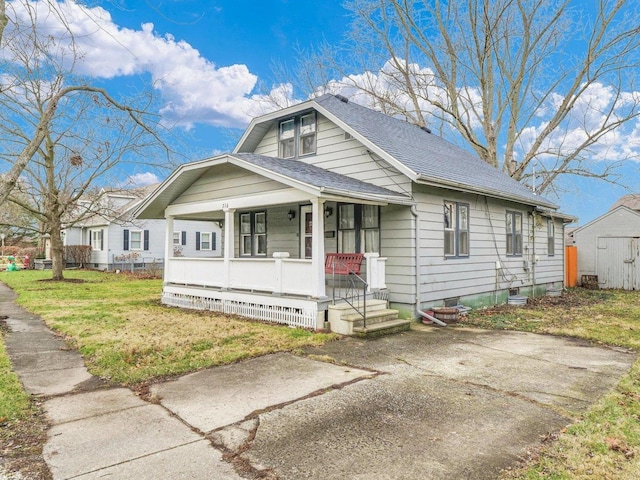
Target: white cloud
(193, 88)
(142, 179)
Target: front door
(306, 229)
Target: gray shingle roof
(631, 200)
(427, 154)
(316, 176)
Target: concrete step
(377, 316)
(385, 328)
(345, 309)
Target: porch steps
(381, 320)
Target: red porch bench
(343, 263)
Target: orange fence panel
(571, 266)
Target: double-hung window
(205, 241)
(358, 228)
(297, 136)
(96, 240)
(514, 233)
(135, 240)
(456, 229)
(551, 237)
(253, 234)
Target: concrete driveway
(429, 403)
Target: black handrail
(352, 281)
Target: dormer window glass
(287, 138)
(297, 136)
(308, 134)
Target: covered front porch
(281, 277)
(279, 218)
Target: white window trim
(551, 237)
(94, 247)
(179, 242)
(131, 233)
(203, 241)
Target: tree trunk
(57, 253)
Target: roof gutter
(490, 193)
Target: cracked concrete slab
(217, 397)
(114, 433)
(400, 426)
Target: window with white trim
(96, 240)
(551, 237)
(456, 229)
(253, 234)
(297, 136)
(177, 237)
(135, 240)
(514, 233)
(205, 241)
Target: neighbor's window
(551, 237)
(205, 241)
(297, 136)
(96, 240)
(177, 238)
(358, 228)
(135, 240)
(514, 233)
(456, 229)
(253, 233)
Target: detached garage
(609, 247)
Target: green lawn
(127, 337)
(603, 443)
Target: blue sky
(209, 58)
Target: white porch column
(229, 244)
(168, 243)
(317, 248)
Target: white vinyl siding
(225, 181)
(477, 275)
(347, 157)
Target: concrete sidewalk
(429, 403)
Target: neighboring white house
(119, 241)
(437, 225)
(609, 246)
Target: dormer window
(297, 136)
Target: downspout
(533, 258)
(419, 312)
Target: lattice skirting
(294, 317)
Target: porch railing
(278, 275)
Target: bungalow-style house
(609, 246)
(434, 224)
(119, 241)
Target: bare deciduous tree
(522, 82)
(58, 133)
